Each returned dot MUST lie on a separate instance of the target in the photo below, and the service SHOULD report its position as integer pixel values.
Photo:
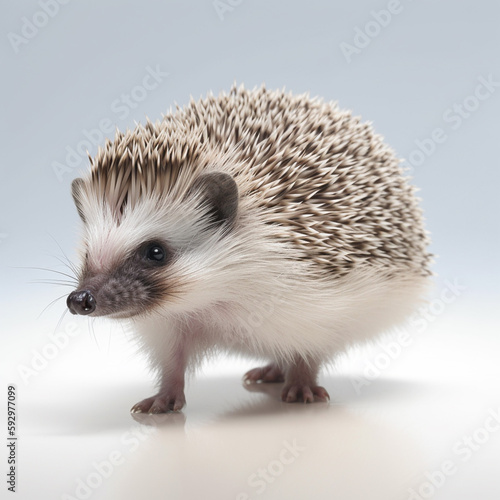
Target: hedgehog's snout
(81, 302)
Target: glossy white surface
(235, 442)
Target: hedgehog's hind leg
(301, 382)
(269, 373)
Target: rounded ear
(219, 192)
(76, 187)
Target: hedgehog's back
(327, 179)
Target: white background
(411, 75)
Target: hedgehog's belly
(320, 321)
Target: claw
(269, 374)
(304, 393)
(160, 403)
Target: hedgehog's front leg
(301, 382)
(169, 398)
(168, 350)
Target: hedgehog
(256, 222)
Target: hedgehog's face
(132, 282)
(145, 258)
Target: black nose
(81, 302)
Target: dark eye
(156, 253)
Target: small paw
(269, 373)
(161, 403)
(304, 393)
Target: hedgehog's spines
(323, 177)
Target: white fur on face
(108, 238)
(201, 254)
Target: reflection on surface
(265, 448)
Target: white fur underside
(311, 318)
